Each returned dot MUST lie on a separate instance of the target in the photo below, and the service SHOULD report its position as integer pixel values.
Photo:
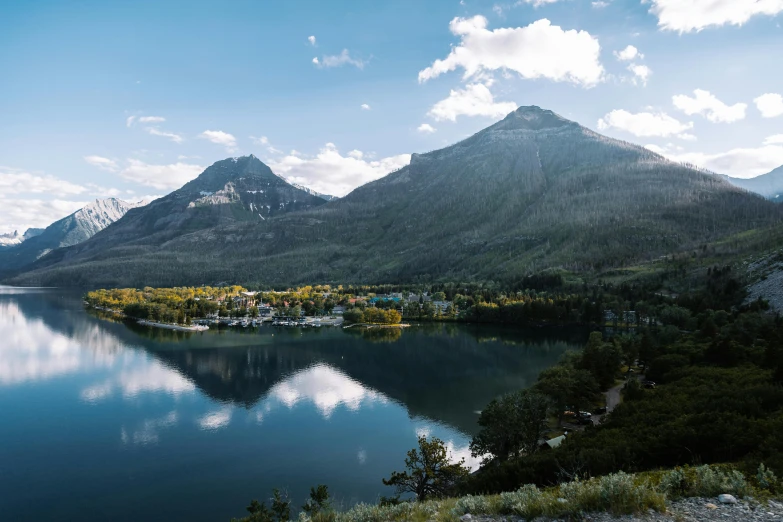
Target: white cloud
(15, 181)
(338, 60)
(685, 16)
(777, 139)
(329, 172)
(311, 39)
(643, 124)
(706, 104)
(152, 119)
(426, 128)
(176, 138)
(687, 137)
(161, 177)
(537, 3)
(17, 213)
(739, 162)
(365, 107)
(600, 4)
(129, 120)
(641, 73)
(539, 50)
(474, 100)
(770, 104)
(326, 388)
(216, 419)
(628, 54)
(102, 163)
(220, 138)
(263, 141)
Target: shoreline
(177, 327)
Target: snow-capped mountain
(14, 238)
(70, 230)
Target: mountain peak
(534, 118)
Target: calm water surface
(102, 420)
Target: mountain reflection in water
(206, 421)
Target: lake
(106, 420)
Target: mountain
(769, 185)
(325, 197)
(13, 239)
(71, 230)
(531, 192)
(234, 190)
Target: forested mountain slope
(68, 231)
(530, 192)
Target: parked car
(600, 411)
(583, 421)
(648, 384)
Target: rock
(727, 499)
(710, 505)
(466, 518)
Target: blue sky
(132, 99)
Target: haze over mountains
(70, 230)
(769, 185)
(531, 192)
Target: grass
(619, 493)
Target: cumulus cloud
(17, 213)
(740, 162)
(474, 100)
(220, 138)
(770, 105)
(329, 172)
(685, 16)
(15, 181)
(426, 128)
(539, 50)
(777, 139)
(365, 107)
(628, 54)
(338, 60)
(643, 124)
(706, 104)
(161, 177)
(641, 73)
(176, 138)
(600, 4)
(102, 163)
(311, 39)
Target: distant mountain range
(531, 192)
(14, 238)
(71, 230)
(769, 185)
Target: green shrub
(766, 478)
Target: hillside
(769, 185)
(70, 230)
(530, 192)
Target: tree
(511, 425)
(568, 388)
(429, 472)
(318, 502)
(601, 359)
